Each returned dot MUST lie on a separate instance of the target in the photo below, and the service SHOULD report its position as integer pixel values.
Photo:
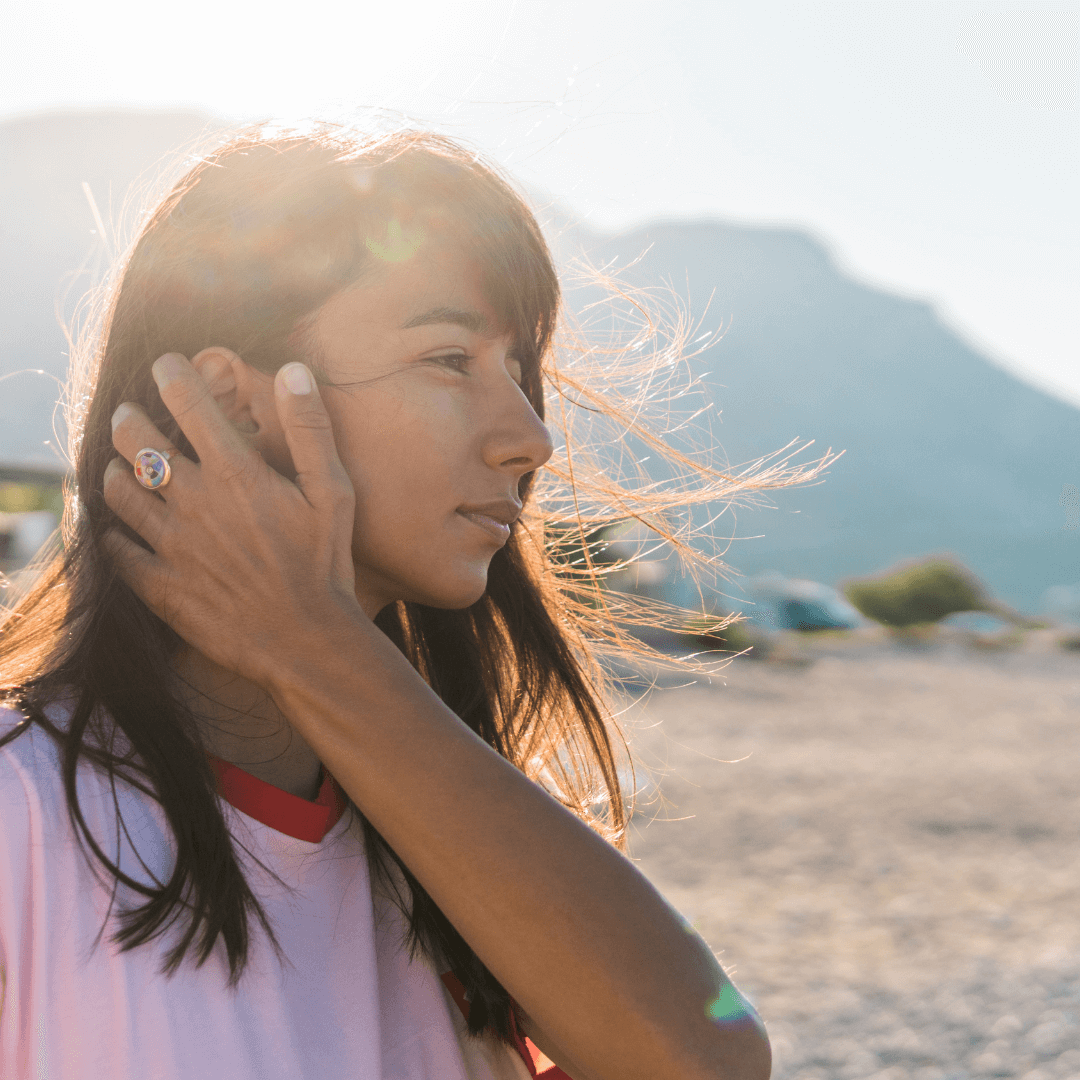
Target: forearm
(576, 934)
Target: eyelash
(455, 361)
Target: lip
(495, 518)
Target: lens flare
(399, 246)
(728, 1007)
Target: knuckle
(342, 499)
(242, 467)
(115, 487)
(339, 487)
(312, 420)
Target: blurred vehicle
(783, 603)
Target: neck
(241, 724)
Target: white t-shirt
(349, 1005)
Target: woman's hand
(244, 561)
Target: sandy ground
(891, 873)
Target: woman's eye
(455, 361)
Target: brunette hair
(245, 248)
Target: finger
(138, 568)
(134, 431)
(187, 396)
(133, 504)
(310, 435)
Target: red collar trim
(286, 813)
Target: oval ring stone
(152, 468)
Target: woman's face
(431, 424)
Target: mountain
(945, 452)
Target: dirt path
(892, 874)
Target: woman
(305, 612)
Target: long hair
(242, 252)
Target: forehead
(397, 294)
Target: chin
(462, 595)
(451, 590)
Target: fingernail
(166, 368)
(123, 411)
(296, 378)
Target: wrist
(338, 630)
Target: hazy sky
(934, 146)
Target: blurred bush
(702, 633)
(30, 511)
(919, 593)
(21, 498)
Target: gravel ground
(890, 872)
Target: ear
(246, 397)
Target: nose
(517, 440)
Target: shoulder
(35, 822)
(29, 770)
(12, 724)
(27, 814)
(32, 787)
(26, 742)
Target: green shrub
(921, 593)
(19, 498)
(734, 638)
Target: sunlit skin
(273, 575)
(443, 425)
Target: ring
(152, 467)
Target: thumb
(309, 433)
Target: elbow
(738, 1048)
(745, 1054)
(757, 1060)
(737, 1051)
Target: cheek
(408, 465)
(398, 452)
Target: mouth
(494, 518)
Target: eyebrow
(470, 320)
